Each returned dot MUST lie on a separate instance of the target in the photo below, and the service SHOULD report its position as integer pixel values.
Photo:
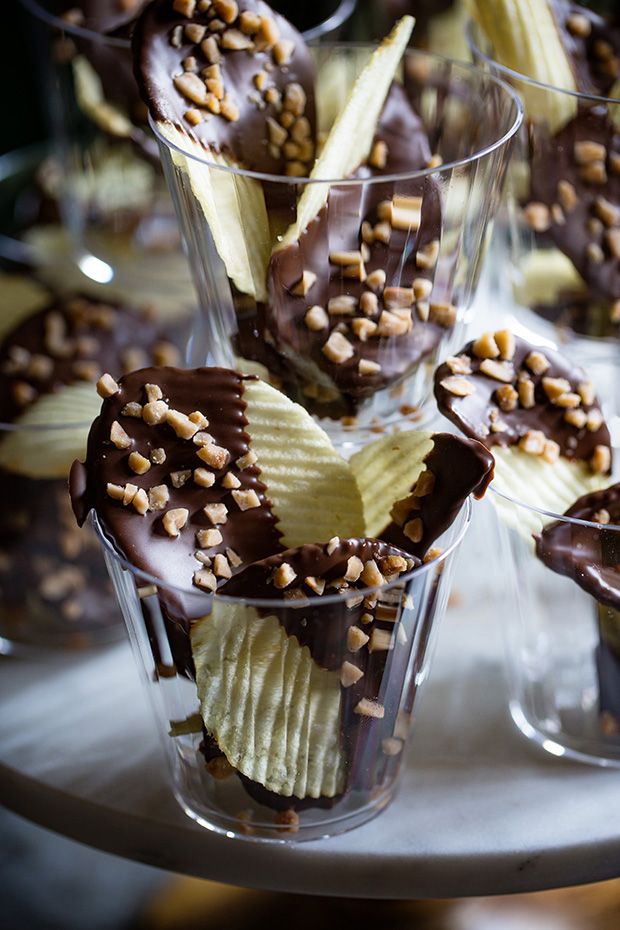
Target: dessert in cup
(53, 585)
(281, 600)
(334, 201)
(563, 197)
(557, 535)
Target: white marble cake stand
(480, 811)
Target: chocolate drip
(474, 414)
(337, 228)
(247, 140)
(252, 534)
(72, 339)
(460, 467)
(588, 555)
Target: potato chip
(311, 488)
(274, 712)
(51, 433)
(20, 296)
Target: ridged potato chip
(51, 433)
(19, 298)
(311, 488)
(386, 470)
(274, 712)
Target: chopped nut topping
(555, 387)
(316, 319)
(537, 362)
(579, 25)
(338, 349)
(147, 590)
(442, 314)
(304, 284)
(132, 409)
(190, 85)
(204, 578)
(577, 418)
(356, 638)
(376, 280)
(355, 566)
(245, 461)
(202, 439)
(332, 545)
(387, 613)
(158, 497)
(533, 442)
(500, 371)
(217, 513)
(215, 456)
(371, 576)
(606, 211)
(138, 463)
(184, 7)
(140, 501)
(284, 575)
(414, 530)
(392, 746)
(594, 420)
(115, 491)
(221, 567)
(525, 388)
(283, 51)
(393, 323)
(349, 674)
(537, 216)
(380, 640)
(119, 437)
(209, 538)
(155, 413)
(363, 329)
(600, 463)
(551, 452)
(246, 500)
(595, 253)
(505, 342)
(612, 238)
(602, 516)
(458, 386)
(485, 346)
(153, 392)
(203, 477)
(179, 478)
(174, 520)
(210, 50)
(405, 213)
(181, 424)
(315, 584)
(366, 367)
(459, 364)
(233, 558)
(569, 399)
(343, 305)
(427, 256)
(230, 481)
(107, 386)
(398, 297)
(368, 708)
(594, 173)
(587, 151)
(567, 196)
(507, 398)
(130, 492)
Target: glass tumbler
(352, 748)
(561, 585)
(54, 588)
(255, 297)
(557, 249)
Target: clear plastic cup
(369, 745)
(562, 642)
(470, 118)
(549, 265)
(54, 588)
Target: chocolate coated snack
(219, 71)
(505, 391)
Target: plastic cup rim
(559, 517)
(446, 168)
(339, 16)
(272, 603)
(524, 78)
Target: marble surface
(480, 811)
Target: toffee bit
(349, 674)
(174, 520)
(368, 708)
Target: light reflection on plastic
(95, 269)
(554, 748)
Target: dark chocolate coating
(246, 141)
(108, 17)
(590, 73)
(324, 631)
(461, 467)
(338, 228)
(552, 160)
(253, 534)
(111, 336)
(588, 555)
(471, 414)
